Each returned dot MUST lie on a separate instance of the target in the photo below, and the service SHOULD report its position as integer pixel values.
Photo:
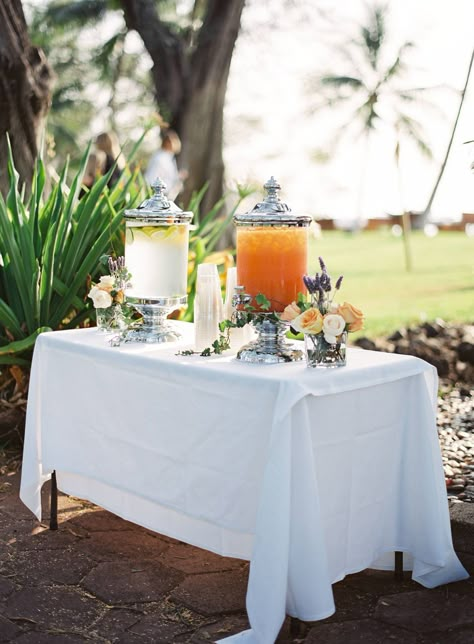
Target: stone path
(102, 579)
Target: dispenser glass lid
(272, 211)
(158, 208)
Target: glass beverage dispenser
(272, 257)
(156, 254)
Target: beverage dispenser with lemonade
(156, 254)
(272, 257)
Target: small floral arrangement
(321, 315)
(111, 288)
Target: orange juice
(272, 260)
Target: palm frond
(341, 81)
(414, 131)
(373, 35)
(398, 65)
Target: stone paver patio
(102, 579)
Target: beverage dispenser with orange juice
(272, 256)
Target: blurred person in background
(107, 142)
(107, 153)
(94, 169)
(163, 164)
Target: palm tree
(374, 94)
(451, 139)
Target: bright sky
(270, 128)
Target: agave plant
(50, 246)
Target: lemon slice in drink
(170, 233)
(148, 230)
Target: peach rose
(290, 312)
(333, 325)
(353, 316)
(311, 321)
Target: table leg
(399, 566)
(295, 626)
(53, 517)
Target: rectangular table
(309, 474)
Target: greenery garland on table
(248, 313)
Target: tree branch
(166, 51)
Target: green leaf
(19, 346)
(263, 302)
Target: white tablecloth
(309, 474)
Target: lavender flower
(339, 282)
(325, 282)
(323, 265)
(311, 284)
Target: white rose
(333, 325)
(107, 282)
(100, 298)
(92, 292)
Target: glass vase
(110, 319)
(320, 353)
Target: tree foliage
(188, 49)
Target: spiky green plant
(50, 246)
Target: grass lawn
(441, 284)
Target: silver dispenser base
(155, 327)
(271, 346)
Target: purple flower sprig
(311, 283)
(120, 272)
(320, 287)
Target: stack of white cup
(208, 306)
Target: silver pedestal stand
(155, 326)
(271, 346)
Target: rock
(365, 343)
(431, 330)
(453, 489)
(441, 365)
(466, 352)
(398, 335)
(469, 490)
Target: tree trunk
(25, 92)
(190, 86)
(203, 114)
(427, 210)
(406, 221)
